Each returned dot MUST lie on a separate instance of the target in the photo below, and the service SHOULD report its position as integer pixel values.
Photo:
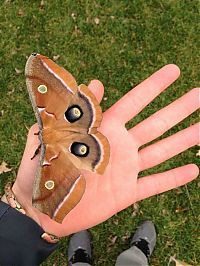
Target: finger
(28, 167)
(155, 184)
(158, 123)
(167, 148)
(97, 88)
(135, 100)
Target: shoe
(79, 249)
(145, 238)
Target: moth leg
(36, 151)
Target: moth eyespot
(83, 149)
(76, 112)
(79, 149)
(42, 89)
(49, 184)
(73, 113)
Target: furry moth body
(68, 116)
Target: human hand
(120, 187)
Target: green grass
(131, 41)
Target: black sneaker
(79, 249)
(145, 238)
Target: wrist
(21, 196)
(11, 198)
(15, 198)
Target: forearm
(20, 239)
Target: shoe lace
(143, 245)
(80, 255)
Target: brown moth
(68, 116)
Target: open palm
(120, 187)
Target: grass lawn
(121, 43)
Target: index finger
(135, 100)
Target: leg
(79, 250)
(36, 152)
(142, 245)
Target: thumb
(27, 169)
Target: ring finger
(167, 148)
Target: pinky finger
(155, 184)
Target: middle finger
(164, 119)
